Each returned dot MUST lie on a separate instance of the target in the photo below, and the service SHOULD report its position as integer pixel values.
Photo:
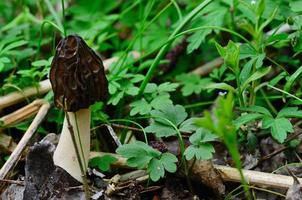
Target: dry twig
(15, 156)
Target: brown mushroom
(78, 80)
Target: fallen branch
(256, 178)
(7, 181)
(16, 154)
(230, 174)
(16, 97)
(208, 67)
(21, 114)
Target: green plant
(200, 147)
(279, 125)
(221, 124)
(154, 97)
(102, 163)
(141, 155)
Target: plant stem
(133, 122)
(82, 168)
(63, 18)
(270, 105)
(160, 54)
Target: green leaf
(156, 169)
(202, 136)
(221, 50)
(163, 118)
(141, 107)
(137, 78)
(4, 60)
(188, 125)
(290, 112)
(138, 154)
(279, 129)
(160, 129)
(196, 39)
(160, 100)
(150, 88)
(244, 119)
(267, 122)
(260, 6)
(257, 75)
(167, 87)
(116, 98)
(169, 162)
(201, 152)
(290, 82)
(232, 56)
(140, 161)
(192, 83)
(174, 113)
(221, 86)
(131, 150)
(296, 6)
(132, 90)
(276, 79)
(40, 63)
(113, 86)
(246, 70)
(257, 109)
(13, 45)
(246, 51)
(103, 163)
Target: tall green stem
(162, 51)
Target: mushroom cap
(77, 75)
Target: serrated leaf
(267, 122)
(138, 154)
(113, 86)
(160, 100)
(196, 39)
(160, 130)
(140, 161)
(137, 78)
(290, 112)
(202, 136)
(141, 107)
(201, 152)
(116, 98)
(188, 125)
(150, 88)
(257, 109)
(279, 129)
(167, 87)
(131, 150)
(132, 90)
(174, 113)
(243, 119)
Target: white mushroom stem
(65, 155)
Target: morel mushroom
(78, 80)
